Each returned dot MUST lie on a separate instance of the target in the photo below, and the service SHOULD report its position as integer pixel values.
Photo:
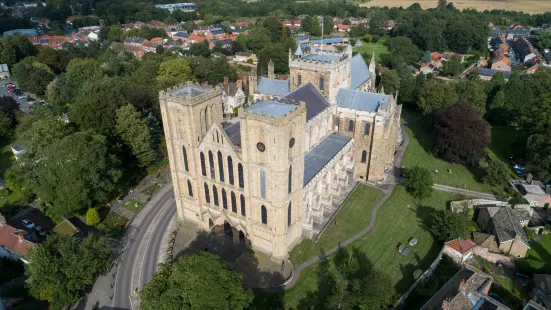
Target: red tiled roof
(460, 245)
(156, 39)
(196, 38)
(12, 239)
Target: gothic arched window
(289, 211)
(240, 175)
(262, 183)
(211, 165)
(203, 168)
(264, 215)
(242, 198)
(224, 199)
(350, 125)
(189, 189)
(290, 180)
(233, 203)
(207, 196)
(367, 129)
(185, 158)
(299, 80)
(230, 170)
(322, 83)
(364, 156)
(215, 195)
(220, 166)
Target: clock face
(291, 142)
(260, 146)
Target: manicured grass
(10, 197)
(541, 251)
(354, 215)
(132, 205)
(419, 153)
(399, 219)
(367, 50)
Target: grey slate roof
(315, 102)
(271, 108)
(490, 72)
(318, 157)
(507, 225)
(359, 72)
(321, 58)
(360, 100)
(273, 87)
(234, 133)
(328, 41)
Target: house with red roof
(460, 250)
(195, 38)
(13, 241)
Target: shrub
(92, 217)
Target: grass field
(367, 49)
(527, 6)
(132, 205)
(399, 219)
(419, 153)
(354, 215)
(541, 251)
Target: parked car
(31, 99)
(23, 96)
(28, 224)
(41, 231)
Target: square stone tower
(328, 71)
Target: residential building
(137, 51)
(17, 149)
(244, 57)
(467, 289)
(531, 305)
(542, 290)
(14, 243)
(459, 250)
(518, 33)
(185, 7)
(535, 192)
(232, 95)
(524, 50)
(503, 64)
(488, 74)
(503, 223)
(279, 171)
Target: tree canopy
(419, 182)
(189, 283)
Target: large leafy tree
(419, 182)
(76, 172)
(453, 67)
(173, 71)
(436, 95)
(10, 108)
(66, 87)
(390, 81)
(32, 75)
(460, 135)
(61, 268)
(96, 104)
(258, 38)
(189, 283)
(538, 150)
(273, 25)
(447, 225)
(134, 131)
(473, 92)
(402, 50)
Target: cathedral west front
(275, 174)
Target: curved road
(141, 247)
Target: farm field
(526, 6)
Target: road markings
(115, 287)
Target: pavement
(23, 103)
(137, 259)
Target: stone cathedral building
(275, 174)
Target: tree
(453, 67)
(306, 24)
(498, 101)
(63, 268)
(496, 172)
(378, 23)
(188, 283)
(447, 225)
(32, 75)
(544, 39)
(134, 132)
(436, 95)
(10, 108)
(258, 38)
(402, 50)
(315, 26)
(538, 149)
(66, 87)
(96, 104)
(442, 4)
(115, 34)
(473, 93)
(390, 81)
(49, 57)
(273, 25)
(41, 134)
(200, 49)
(419, 182)
(89, 173)
(460, 135)
(92, 217)
(173, 71)
(160, 49)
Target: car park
(41, 231)
(28, 224)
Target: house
(343, 28)
(488, 74)
(518, 33)
(467, 289)
(92, 36)
(137, 51)
(503, 223)
(195, 39)
(17, 150)
(542, 290)
(134, 41)
(531, 305)
(535, 192)
(244, 57)
(232, 95)
(459, 250)
(524, 49)
(503, 64)
(14, 243)
(4, 71)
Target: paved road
(141, 248)
(23, 103)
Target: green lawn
(419, 153)
(399, 219)
(367, 50)
(6, 156)
(353, 216)
(65, 229)
(541, 251)
(132, 205)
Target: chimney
(240, 84)
(226, 80)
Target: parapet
(190, 93)
(273, 108)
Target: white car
(24, 96)
(28, 224)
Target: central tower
(327, 71)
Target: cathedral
(278, 172)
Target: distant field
(527, 6)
